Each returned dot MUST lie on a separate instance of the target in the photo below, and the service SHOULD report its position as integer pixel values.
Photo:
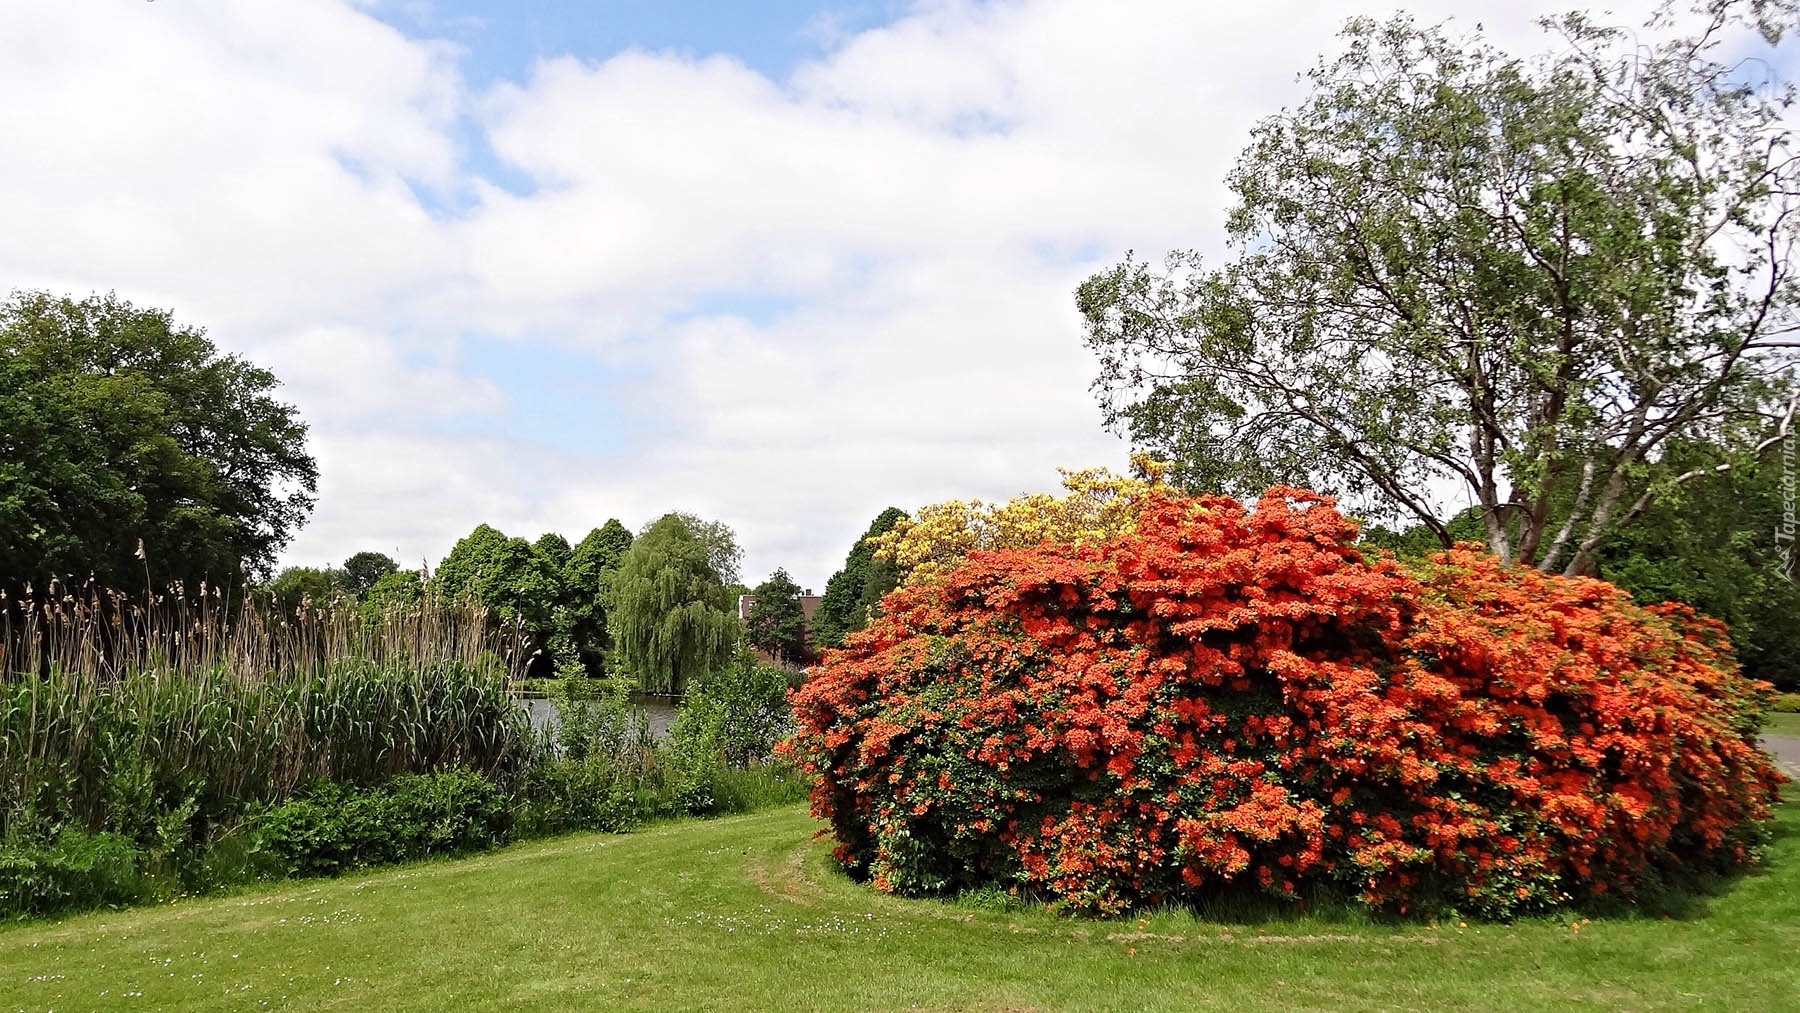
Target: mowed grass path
(747, 913)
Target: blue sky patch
(504, 38)
(559, 398)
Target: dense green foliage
(1417, 541)
(854, 593)
(777, 622)
(723, 554)
(553, 549)
(361, 571)
(551, 592)
(506, 576)
(668, 611)
(73, 869)
(1525, 277)
(602, 772)
(402, 590)
(356, 581)
(587, 580)
(735, 716)
(607, 772)
(330, 827)
(295, 586)
(120, 428)
(1713, 545)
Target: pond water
(660, 708)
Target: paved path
(1787, 752)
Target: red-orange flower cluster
(1239, 698)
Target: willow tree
(1452, 268)
(668, 612)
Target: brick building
(809, 604)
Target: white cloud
(243, 160)
(348, 379)
(920, 202)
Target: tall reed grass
(176, 715)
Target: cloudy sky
(541, 263)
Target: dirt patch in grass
(784, 876)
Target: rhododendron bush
(1236, 698)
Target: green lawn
(748, 913)
(1780, 723)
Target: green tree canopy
(777, 623)
(473, 557)
(362, 570)
(507, 576)
(599, 553)
(554, 548)
(118, 425)
(1714, 545)
(853, 594)
(587, 580)
(1527, 278)
(295, 586)
(1419, 541)
(667, 611)
(722, 551)
(393, 591)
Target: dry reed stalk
(228, 705)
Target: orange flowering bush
(1232, 697)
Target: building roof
(809, 604)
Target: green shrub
(596, 717)
(75, 869)
(602, 770)
(331, 828)
(733, 717)
(693, 796)
(230, 859)
(561, 795)
(1786, 703)
(598, 768)
(758, 786)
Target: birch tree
(1452, 267)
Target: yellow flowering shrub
(1097, 505)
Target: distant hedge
(1237, 699)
